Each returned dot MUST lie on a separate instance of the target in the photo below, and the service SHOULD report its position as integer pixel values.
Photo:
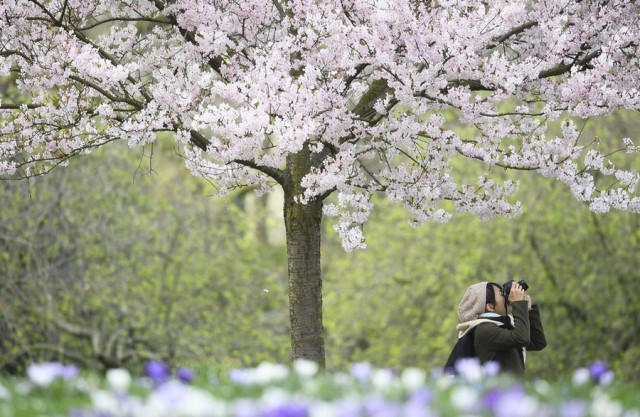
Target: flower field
(303, 390)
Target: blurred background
(124, 256)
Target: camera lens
(506, 287)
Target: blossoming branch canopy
(367, 88)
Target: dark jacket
(504, 343)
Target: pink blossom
(387, 96)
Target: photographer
(503, 323)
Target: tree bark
(303, 232)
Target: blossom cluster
(304, 390)
(384, 95)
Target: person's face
(500, 303)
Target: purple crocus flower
(418, 404)
(288, 410)
(597, 369)
(421, 396)
(600, 372)
(514, 402)
(157, 371)
(492, 399)
(469, 368)
(491, 369)
(377, 407)
(240, 376)
(68, 371)
(185, 375)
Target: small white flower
(581, 376)
(322, 409)
(24, 388)
(105, 402)
(43, 374)
(305, 368)
(603, 406)
(177, 399)
(4, 393)
(464, 398)
(200, 403)
(607, 378)
(119, 379)
(542, 387)
(268, 372)
(382, 378)
(413, 378)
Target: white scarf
(494, 315)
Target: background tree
(345, 97)
(102, 264)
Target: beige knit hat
(473, 303)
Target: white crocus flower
(464, 398)
(119, 379)
(43, 374)
(581, 376)
(268, 372)
(174, 398)
(4, 393)
(382, 378)
(413, 378)
(603, 406)
(305, 368)
(105, 402)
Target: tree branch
(19, 106)
(72, 328)
(64, 10)
(19, 53)
(563, 68)
(75, 358)
(277, 174)
(280, 9)
(199, 140)
(347, 82)
(364, 109)
(474, 85)
(124, 19)
(106, 93)
(514, 31)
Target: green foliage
(395, 303)
(141, 258)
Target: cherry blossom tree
(342, 97)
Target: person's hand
(516, 293)
(528, 298)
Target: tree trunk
(303, 230)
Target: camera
(506, 287)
